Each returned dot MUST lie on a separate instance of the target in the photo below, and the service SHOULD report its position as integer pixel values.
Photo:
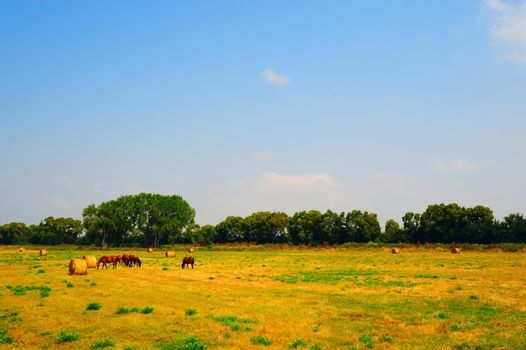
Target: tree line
(152, 219)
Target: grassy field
(248, 298)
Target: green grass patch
(443, 315)
(193, 343)
(330, 276)
(261, 340)
(65, 337)
(147, 310)
(367, 340)
(386, 339)
(4, 337)
(122, 310)
(93, 306)
(190, 312)
(234, 322)
(298, 343)
(21, 290)
(426, 276)
(12, 317)
(103, 343)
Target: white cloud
(508, 29)
(497, 5)
(61, 203)
(272, 77)
(270, 181)
(453, 165)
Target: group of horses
(125, 259)
(133, 261)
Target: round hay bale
(91, 261)
(170, 254)
(21, 250)
(149, 250)
(395, 251)
(43, 252)
(455, 250)
(78, 267)
(191, 250)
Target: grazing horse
(106, 260)
(132, 260)
(188, 260)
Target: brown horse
(131, 260)
(188, 260)
(106, 260)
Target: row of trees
(153, 219)
(51, 231)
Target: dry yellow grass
(336, 298)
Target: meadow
(266, 297)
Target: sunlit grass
(294, 298)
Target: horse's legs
(192, 265)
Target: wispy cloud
(453, 165)
(65, 182)
(270, 181)
(508, 28)
(272, 77)
(60, 203)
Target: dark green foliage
(426, 276)
(4, 337)
(145, 218)
(65, 337)
(147, 310)
(191, 312)
(298, 343)
(474, 297)
(103, 343)
(193, 343)
(315, 347)
(367, 340)
(93, 306)
(386, 338)
(122, 310)
(261, 340)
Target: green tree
(232, 229)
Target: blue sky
(241, 106)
